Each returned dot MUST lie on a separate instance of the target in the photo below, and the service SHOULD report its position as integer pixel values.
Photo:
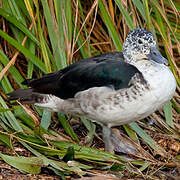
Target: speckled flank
(97, 101)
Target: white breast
(161, 81)
(162, 87)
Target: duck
(111, 89)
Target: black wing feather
(104, 70)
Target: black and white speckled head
(141, 45)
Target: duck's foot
(115, 142)
(123, 144)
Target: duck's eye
(150, 41)
(140, 41)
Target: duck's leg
(106, 132)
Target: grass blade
(67, 127)
(111, 29)
(147, 138)
(125, 15)
(10, 117)
(168, 114)
(24, 50)
(27, 164)
(46, 119)
(12, 19)
(56, 38)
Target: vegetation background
(42, 36)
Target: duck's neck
(146, 65)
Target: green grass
(52, 33)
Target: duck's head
(141, 45)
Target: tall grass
(38, 37)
